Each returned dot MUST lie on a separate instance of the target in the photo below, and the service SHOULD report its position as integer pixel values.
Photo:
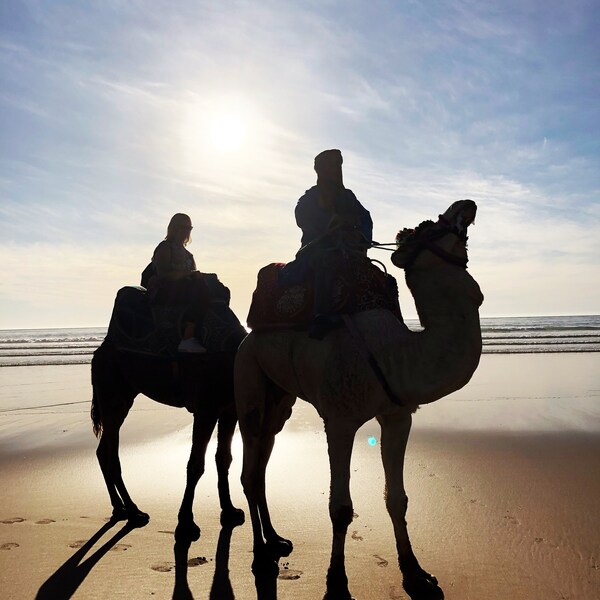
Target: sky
(115, 114)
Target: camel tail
(95, 409)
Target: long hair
(179, 224)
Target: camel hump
(282, 301)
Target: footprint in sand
(169, 532)
(163, 567)
(9, 546)
(116, 547)
(512, 520)
(196, 562)
(381, 562)
(12, 520)
(357, 537)
(457, 488)
(395, 594)
(288, 574)
(45, 521)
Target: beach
(502, 479)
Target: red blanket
(359, 285)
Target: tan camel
(334, 375)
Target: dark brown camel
(202, 382)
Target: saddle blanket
(359, 285)
(139, 325)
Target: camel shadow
(221, 589)
(63, 583)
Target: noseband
(424, 238)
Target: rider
(325, 212)
(176, 280)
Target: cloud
(107, 108)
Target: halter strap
(428, 243)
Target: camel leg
(340, 439)
(259, 423)
(204, 425)
(419, 584)
(230, 515)
(110, 465)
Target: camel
(203, 383)
(274, 368)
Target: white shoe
(191, 345)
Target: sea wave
(501, 335)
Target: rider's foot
(191, 345)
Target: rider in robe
(330, 217)
(177, 282)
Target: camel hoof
(265, 567)
(279, 547)
(137, 518)
(424, 587)
(187, 532)
(119, 514)
(232, 517)
(134, 515)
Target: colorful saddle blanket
(359, 285)
(138, 325)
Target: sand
(502, 478)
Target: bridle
(425, 238)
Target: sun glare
(228, 132)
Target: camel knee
(341, 517)
(223, 459)
(396, 504)
(195, 469)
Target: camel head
(442, 241)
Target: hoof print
(163, 567)
(12, 520)
(120, 547)
(9, 546)
(45, 521)
(288, 574)
(196, 562)
(78, 544)
(381, 562)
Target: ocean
(501, 335)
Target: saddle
(359, 285)
(139, 325)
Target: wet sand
(502, 495)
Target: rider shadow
(221, 589)
(63, 583)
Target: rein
(424, 241)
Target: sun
(228, 132)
